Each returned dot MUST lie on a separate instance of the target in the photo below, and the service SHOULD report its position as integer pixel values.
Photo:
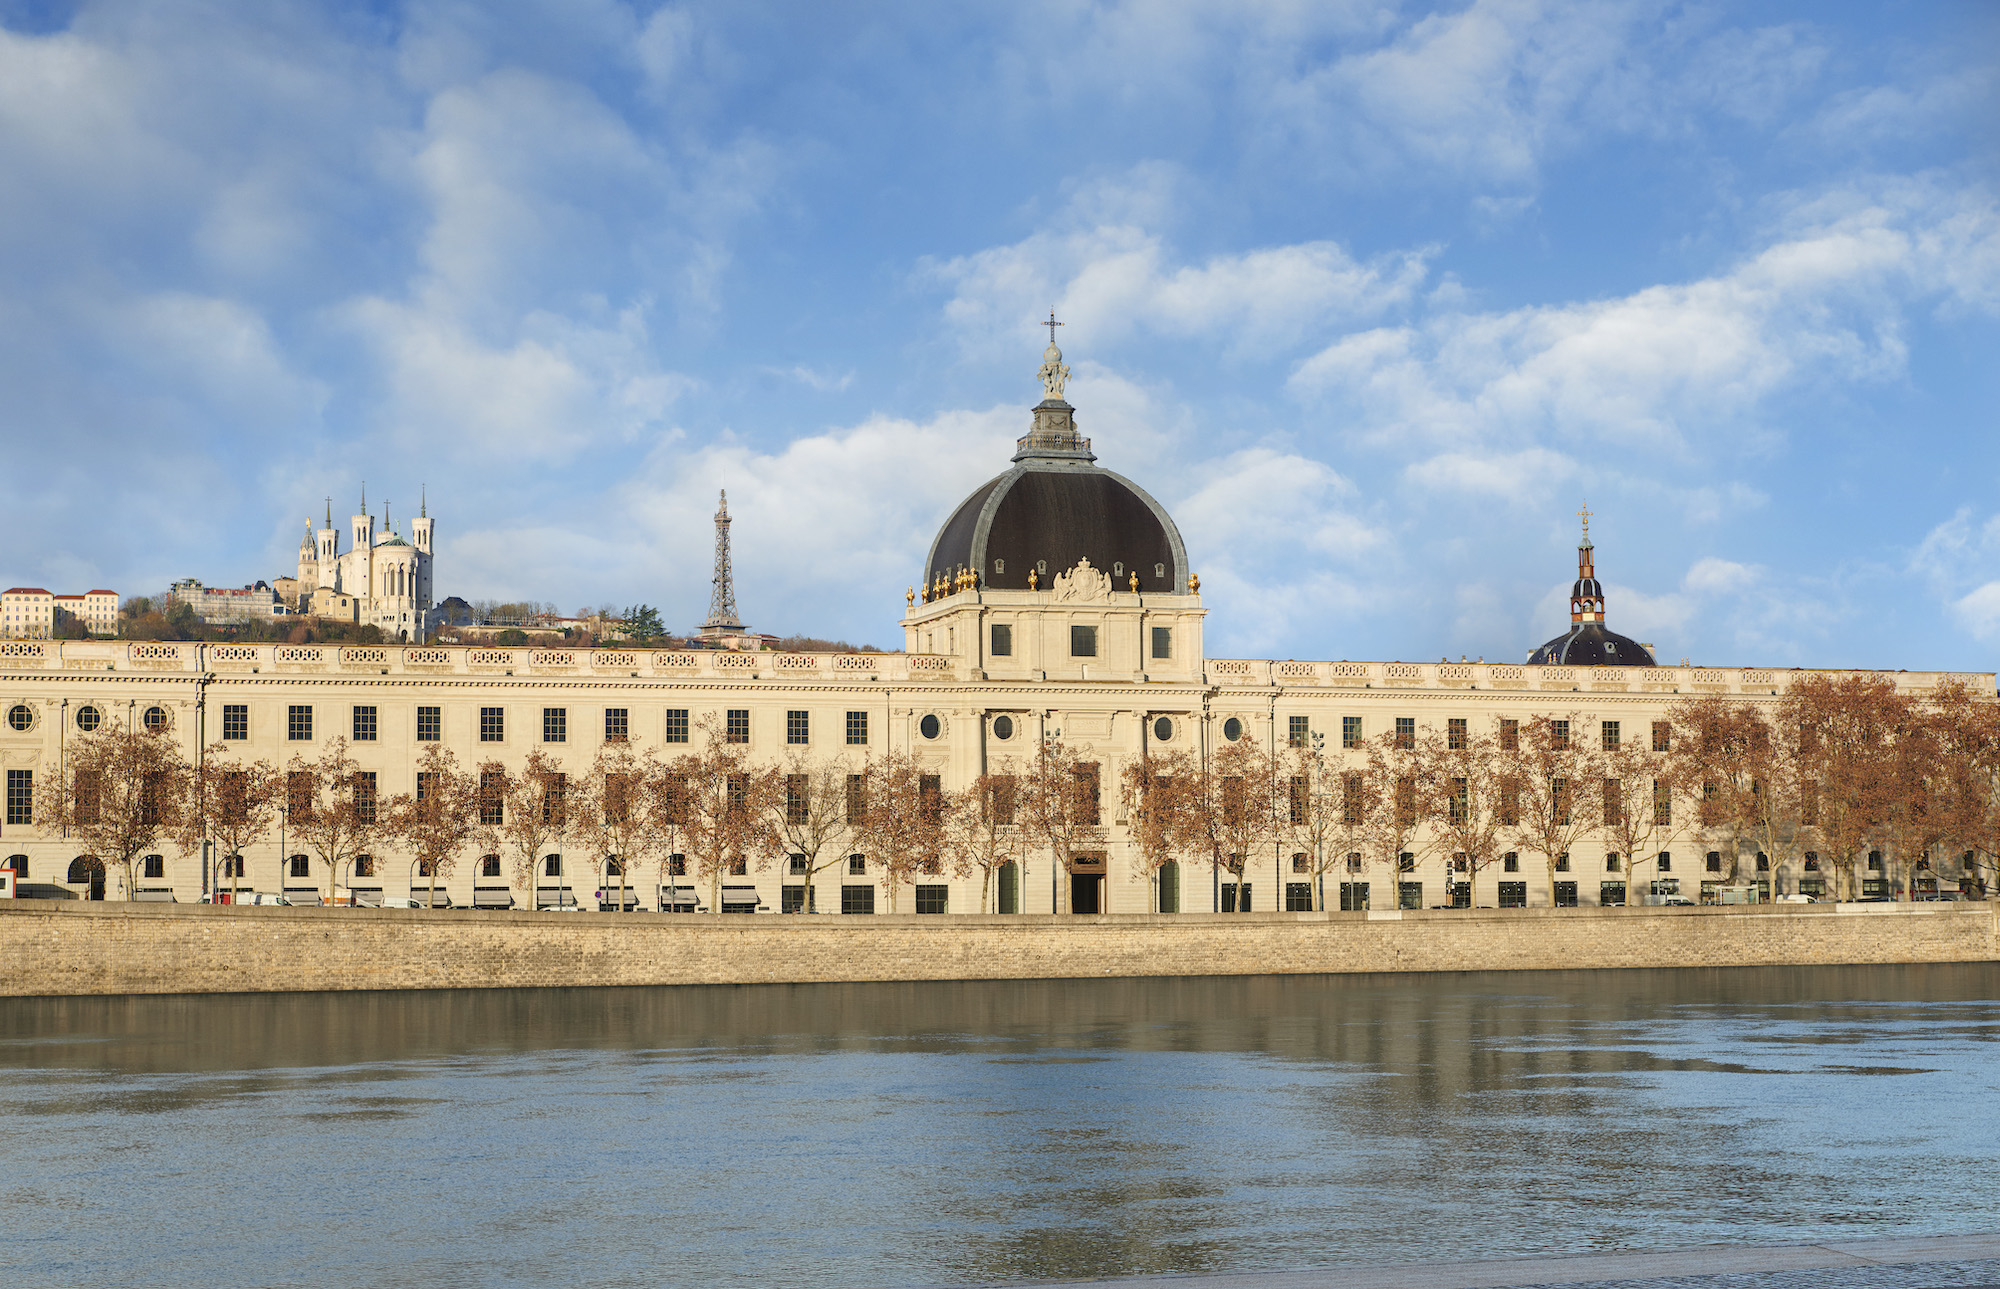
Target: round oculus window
(1232, 729)
(19, 717)
(1003, 727)
(929, 727)
(1163, 730)
(156, 719)
(87, 719)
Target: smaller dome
(392, 540)
(1589, 644)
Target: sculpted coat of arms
(1082, 583)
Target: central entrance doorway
(1086, 884)
(88, 871)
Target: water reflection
(953, 1133)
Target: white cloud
(1110, 279)
(1526, 476)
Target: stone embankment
(112, 948)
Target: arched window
(86, 868)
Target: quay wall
(68, 948)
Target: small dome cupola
(1054, 509)
(1588, 641)
(1586, 597)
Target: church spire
(1586, 597)
(424, 501)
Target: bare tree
(723, 804)
(435, 823)
(332, 808)
(1061, 807)
(811, 818)
(609, 815)
(904, 829)
(533, 815)
(1159, 790)
(1719, 747)
(1639, 817)
(1399, 830)
(121, 793)
(981, 832)
(1555, 767)
(1465, 776)
(235, 802)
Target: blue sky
(1372, 296)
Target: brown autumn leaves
(1833, 771)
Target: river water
(937, 1134)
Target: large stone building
(1058, 600)
(381, 580)
(32, 613)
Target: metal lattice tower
(722, 616)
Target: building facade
(32, 613)
(381, 579)
(257, 602)
(1058, 602)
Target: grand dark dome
(1588, 642)
(1054, 508)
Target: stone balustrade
(1749, 681)
(439, 660)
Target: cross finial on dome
(1054, 373)
(1051, 324)
(1585, 514)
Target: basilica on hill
(1057, 602)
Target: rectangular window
(364, 796)
(156, 867)
(1082, 642)
(1350, 731)
(857, 799)
(1353, 805)
(1513, 895)
(1510, 735)
(430, 724)
(1559, 801)
(677, 725)
(1406, 731)
(1000, 799)
(489, 866)
(1713, 862)
(1562, 862)
(298, 793)
(1614, 802)
(1003, 640)
(798, 727)
(299, 723)
(1299, 730)
(1565, 895)
(1663, 803)
(1665, 862)
(1088, 795)
(930, 798)
(1296, 798)
(235, 721)
(1409, 895)
(1353, 897)
(617, 724)
(301, 866)
(492, 797)
(791, 899)
(1510, 862)
(857, 728)
(1559, 734)
(492, 725)
(933, 899)
(423, 786)
(555, 725)
(1610, 731)
(1236, 897)
(796, 804)
(1163, 642)
(364, 725)
(738, 793)
(736, 726)
(364, 866)
(1662, 740)
(20, 796)
(857, 865)
(1454, 734)
(857, 899)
